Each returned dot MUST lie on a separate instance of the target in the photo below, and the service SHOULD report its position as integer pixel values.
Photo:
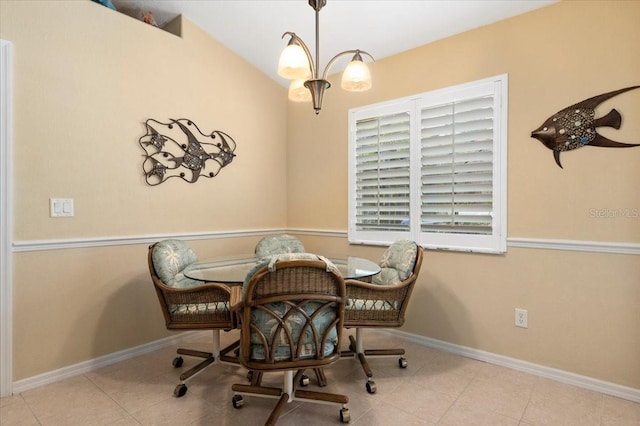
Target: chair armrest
(366, 286)
(236, 303)
(362, 284)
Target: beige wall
(86, 78)
(584, 308)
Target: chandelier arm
(346, 52)
(305, 48)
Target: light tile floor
(437, 388)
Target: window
(431, 168)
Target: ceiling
(253, 29)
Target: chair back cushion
(288, 329)
(170, 257)
(397, 263)
(277, 333)
(277, 244)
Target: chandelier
(297, 65)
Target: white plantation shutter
(432, 168)
(457, 167)
(381, 172)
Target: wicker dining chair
(282, 244)
(382, 303)
(190, 304)
(291, 318)
(278, 244)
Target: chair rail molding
(6, 195)
(519, 242)
(576, 245)
(610, 247)
(61, 244)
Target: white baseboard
(94, 364)
(562, 376)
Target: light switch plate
(61, 207)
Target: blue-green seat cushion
(170, 257)
(397, 263)
(277, 244)
(266, 322)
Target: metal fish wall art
(173, 150)
(575, 126)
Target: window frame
(496, 242)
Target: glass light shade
(356, 77)
(293, 63)
(298, 92)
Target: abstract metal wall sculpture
(575, 126)
(173, 150)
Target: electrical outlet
(522, 319)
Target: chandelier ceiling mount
(297, 64)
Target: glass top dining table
(234, 269)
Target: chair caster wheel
(371, 387)
(402, 363)
(178, 361)
(304, 380)
(250, 375)
(345, 415)
(180, 390)
(237, 401)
